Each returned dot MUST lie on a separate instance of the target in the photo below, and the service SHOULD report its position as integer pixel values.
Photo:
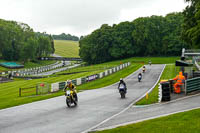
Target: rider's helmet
(69, 82)
(121, 80)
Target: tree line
(19, 42)
(64, 36)
(145, 36)
(191, 25)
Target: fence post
(36, 90)
(20, 90)
(185, 87)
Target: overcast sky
(81, 17)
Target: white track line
(90, 129)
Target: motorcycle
(143, 70)
(139, 78)
(71, 98)
(122, 91)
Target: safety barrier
(60, 85)
(192, 85)
(164, 92)
(32, 71)
(197, 65)
(40, 88)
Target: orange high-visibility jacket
(180, 78)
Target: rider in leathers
(122, 82)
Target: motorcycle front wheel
(68, 102)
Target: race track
(95, 106)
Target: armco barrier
(57, 86)
(192, 85)
(74, 82)
(83, 80)
(54, 87)
(101, 75)
(62, 85)
(78, 81)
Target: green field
(66, 48)
(186, 122)
(168, 73)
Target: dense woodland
(145, 36)
(19, 42)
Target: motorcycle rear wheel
(122, 95)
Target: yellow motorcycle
(71, 98)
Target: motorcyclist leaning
(71, 87)
(143, 69)
(121, 82)
(150, 62)
(139, 76)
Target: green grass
(156, 60)
(168, 73)
(185, 122)
(66, 48)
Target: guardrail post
(36, 90)
(185, 87)
(20, 90)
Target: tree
(191, 26)
(18, 41)
(145, 36)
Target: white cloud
(80, 17)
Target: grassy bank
(156, 60)
(66, 48)
(186, 122)
(168, 73)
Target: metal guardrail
(192, 85)
(190, 52)
(61, 58)
(60, 85)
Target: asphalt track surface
(95, 106)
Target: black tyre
(68, 102)
(76, 97)
(75, 103)
(122, 94)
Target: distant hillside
(66, 48)
(64, 36)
